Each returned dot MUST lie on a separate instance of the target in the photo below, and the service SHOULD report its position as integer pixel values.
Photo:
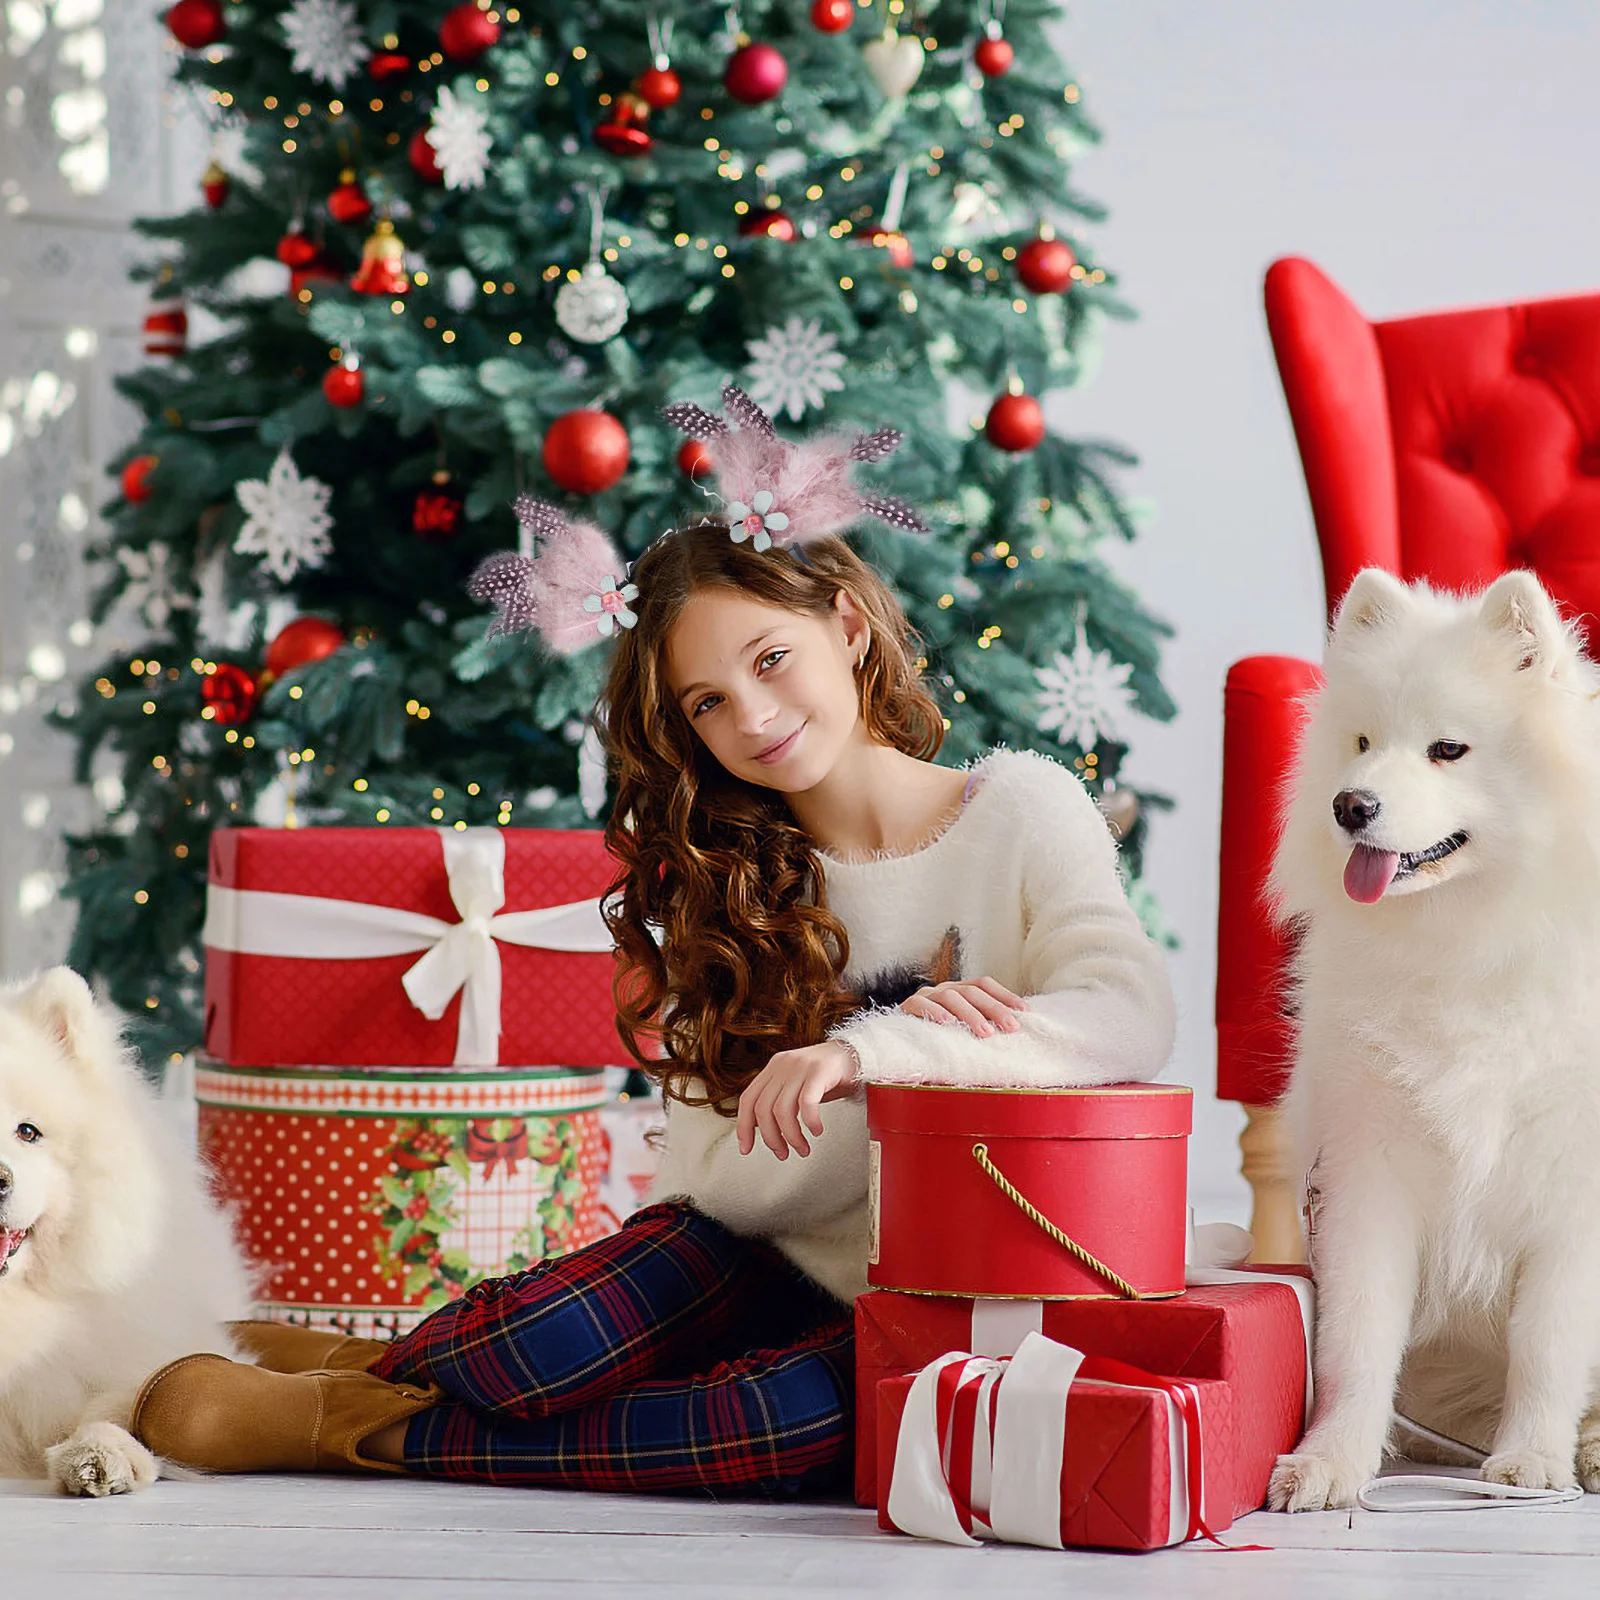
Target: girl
(807, 903)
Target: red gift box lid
(1107, 1111)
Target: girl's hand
(984, 1005)
(788, 1091)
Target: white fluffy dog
(1441, 853)
(113, 1258)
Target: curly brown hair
(749, 955)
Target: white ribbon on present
(458, 956)
(1015, 1493)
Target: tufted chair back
(1450, 447)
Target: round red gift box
(1107, 1166)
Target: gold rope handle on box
(980, 1154)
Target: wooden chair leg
(1275, 1187)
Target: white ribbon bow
(460, 955)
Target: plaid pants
(672, 1355)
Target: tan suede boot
(223, 1416)
(283, 1347)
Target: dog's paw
(1528, 1469)
(1314, 1483)
(101, 1459)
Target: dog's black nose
(1353, 809)
(5, 1182)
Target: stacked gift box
(404, 1072)
(1041, 1359)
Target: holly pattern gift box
(409, 946)
(1250, 1335)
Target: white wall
(1426, 153)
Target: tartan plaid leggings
(672, 1355)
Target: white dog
(1441, 853)
(113, 1258)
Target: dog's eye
(1446, 750)
(28, 1134)
(1363, 743)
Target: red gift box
(953, 1174)
(1053, 1449)
(409, 946)
(1250, 1336)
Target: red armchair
(1450, 447)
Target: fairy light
(513, 337)
(847, 283)
(336, 108)
(289, 148)
(437, 813)
(149, 708)
(141, 897)
(448, 336)
(375, 105)
(382, 814)
(552, 79)
(295, 691)
(728, 270)
(249, 741)
(360, 785)
(960, 697)
(420, 279)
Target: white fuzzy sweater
(1021, 887)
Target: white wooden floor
(388, 1539)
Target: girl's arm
(1100, 1007)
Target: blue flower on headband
(611, 605)
(756, 521)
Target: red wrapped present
(1054, 1193)
(409, 946)
(1053, 1448)
(1248, 1331)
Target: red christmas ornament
(436, 512)
(755, 74)
(343, 385)
(1045, 265)
(1015, 423)
(623, 133)
(305, 639)
(424, 160)
(349, 202)
(993, 56)
(196, 23)
(586, 451)
(294, 249)
(318, 268)
(166, 326)
(136, 479)
(467, 32)
(774, 224)
(386, 64)
(833, 16)
(230, 692)
(694, 457)
(658, 87)
(214, 185)
(896, 243)
(383, 263)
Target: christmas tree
(452, 254)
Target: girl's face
(771, 693)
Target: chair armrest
(1263, 712)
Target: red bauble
(694, 457)
(436, 512)
(136, 479)
(1045, 266)
(774, 224)
(343, 384)
(658, 87)
(586, 451)
(305, 639)
(424, 160)
(295, 250)
(214, 185)
(756, 73)
(833, 16)
(230, 692)
(992, 57)
(386, 64)
(467, 32)
(349, 202)
(896, 243)
(622, 133)
(317, 268)
(1015, 423)
(166, 327)
(196, 23)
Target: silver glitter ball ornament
(592, 308)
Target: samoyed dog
(1441, 858)
(113, 1258)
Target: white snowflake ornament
(460, 138)
(150, 586)
(793, 367)
(325, 40)
(756, 521)
(1084, 697)
(286, 519)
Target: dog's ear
(59, 1002)
(1517, 606)
(1374, 599)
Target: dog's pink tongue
(9, 1242)
(1368, 873)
